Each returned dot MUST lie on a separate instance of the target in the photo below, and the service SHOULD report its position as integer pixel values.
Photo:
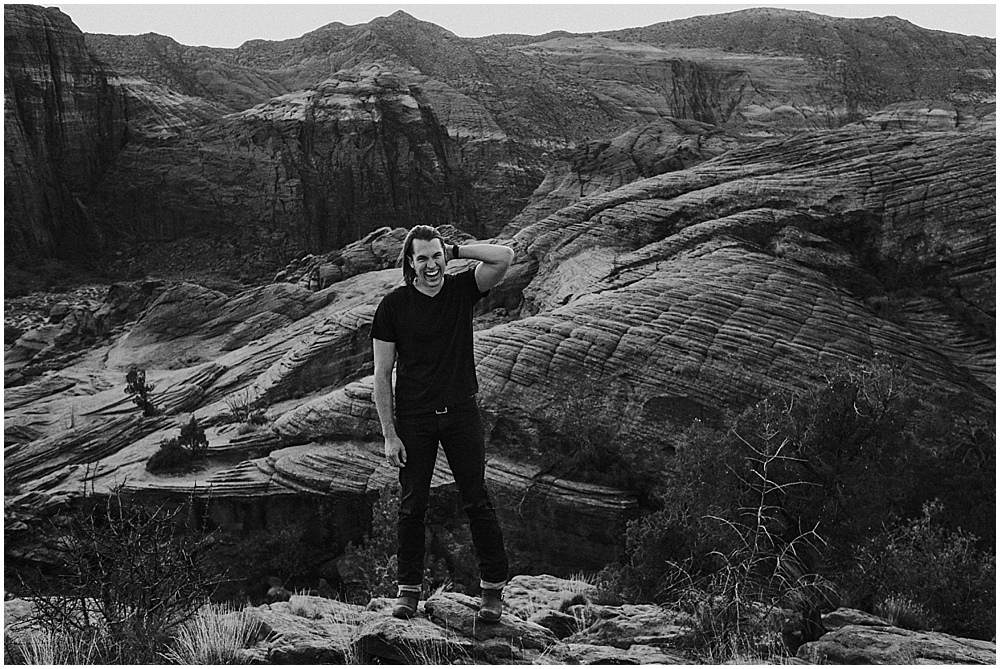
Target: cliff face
(316, 169)
(64, 124)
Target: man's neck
(427, 290)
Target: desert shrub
(902, 612)
(179, 454)
(283, 554)
(216, 635)
(50, 647)
(129, 580)
(171, 458)
(139, 391)
(246, 410)
(940, 571)
(587, 437)
(375, 557)
(766, 512)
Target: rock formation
(64, 124)
(239, 160)
(305, 629)
(857, 638)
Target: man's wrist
(454, 251)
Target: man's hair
(424, 232)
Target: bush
(129, 580)
(282, 553)
(940, 571)
(180, 453)
(375, 559)
(901, 612)
(587, 437)
(243, 409)
(764, 513)
(170, 459)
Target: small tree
(193, 436)
(137, 388)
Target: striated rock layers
(316, 169)
(673, 298)
(64, 124)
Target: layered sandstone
(64, 124)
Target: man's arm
(385, 358)
(494, 261)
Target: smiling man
(424, 329)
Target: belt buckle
(441, 412)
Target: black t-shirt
(435, 362)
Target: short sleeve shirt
(435, 359)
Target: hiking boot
(491, 606)
(405, 606)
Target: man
(424, 328)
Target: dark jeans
(460, 433)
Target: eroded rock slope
(679, 296)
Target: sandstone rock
(46, 386)
(177, 328)
(784, 45)
(561, 625)
(915, 115)
(457, 613)
(247, 173)
(642, 624)
(309, 630)
(843, 617)
(599, 167)
(384, 639)
(65, 123)
(579, 272)
(863, 644)
(589, 654)
(527, 595)
(473, 130)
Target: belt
(467, 404)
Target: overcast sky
(229, 25)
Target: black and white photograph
(499, 334)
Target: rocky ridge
(465, 128)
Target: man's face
(428, 262)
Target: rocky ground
(548, 620)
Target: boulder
(630, 624)
(509, 639)
(526, 595)
(865, 644)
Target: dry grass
(216, 635)
(48, 647)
